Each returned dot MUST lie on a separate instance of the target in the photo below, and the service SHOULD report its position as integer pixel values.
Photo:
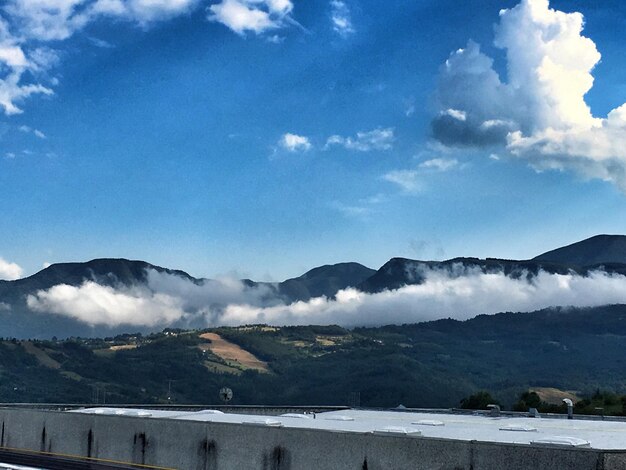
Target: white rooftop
(604, 435)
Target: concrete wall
(212, 446)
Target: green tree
(478, 401)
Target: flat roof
(596, 434)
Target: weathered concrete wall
(190, 445)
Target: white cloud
(256, 16)
(442, 295)
(540, 114)
(377, 139)
(12, 91)
(165, 300)
(275, 39)
(458, 292)
(101, 305)
(57, 20)
(408, 180)
(46, 20)
(146, 11)
(26, 24)
(13, 56)
(294, 143)
(440, 164)
(10, 271)
(36, 132)
(412, 181)
(340, 18)
(456, 114)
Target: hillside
(427, 364)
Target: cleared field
(232, 353)
(554, 396)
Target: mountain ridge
(17, 319)
(595, 250)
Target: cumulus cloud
(294, 143)
(10, 271)
(340, 18)
(540, 113)
(256, 16)
(377, 139)
(441, 295)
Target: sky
(261, 138)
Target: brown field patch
(232, 353)
(554, 396)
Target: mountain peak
(109, 271)
(325, 280)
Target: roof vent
(429, 422)
(518, 428)
(398, 431)
(561, 441)
(494, 410)
(570, 408)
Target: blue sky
(270, 140)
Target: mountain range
(18, 318)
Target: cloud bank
(166, 299)
(459, 293)
(540, 113)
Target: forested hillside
(422, 365)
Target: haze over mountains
(107, 296)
